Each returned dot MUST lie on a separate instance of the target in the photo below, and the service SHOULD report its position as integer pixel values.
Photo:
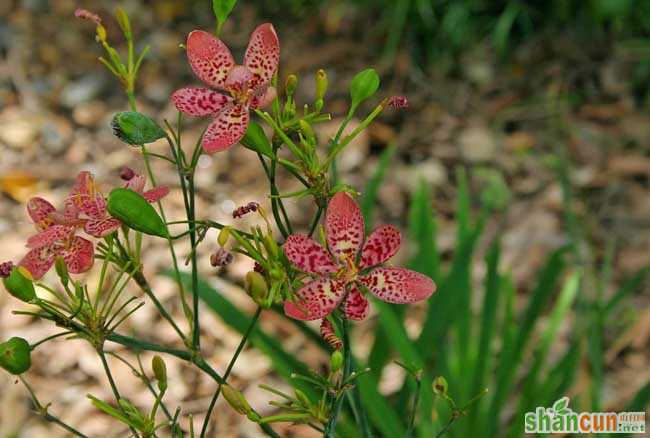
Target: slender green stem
(416, 401)
(49, 338)
(314, 224)
(42, 410)
(144, 285)
(111, 381)
(347, 369)
(231, 364)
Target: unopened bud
(127, 173)
(236, 400)
(221, 258)
(223, 237)
(5, 269)
(307, 131)
(123, 21)
(440, 386)
(101, 33)
(290, 84)
(336, 361)
(321, 84)
(62, 270)
(160, 372)
(329, 335)
(271, 246)
(256, 286)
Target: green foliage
(363, 86)
(222, 9)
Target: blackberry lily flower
(247, 86)
(350, 266)
(86, 199)
(56, 237)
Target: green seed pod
(62, 270)
(363, 86)
(440, 386)
(20, 285)
(15, 355)
(135, 212)
(336, 361)
(290, 84)
(236, 400)
(321, 84)
(223, 237)
(160, 372)
(135, 128)
(256, 286)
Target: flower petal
(39, 210)
(398, 285)
(308, 255)
(197, 102)
(209, 58)
(380, 246)
(238, 80)
(262, 55)
(156, 194)
(315, 300)
(344, 226)
(136, 183)
(38, 261)
(227, 128)
(101, 227)
(79, 256)
(265, 98)
(50, 235)
(355, 305)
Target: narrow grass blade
(369, 198)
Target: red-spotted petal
(227, 128)
(264, 99)
(197, 102)
(398, 285)
(39, 210)
(79, 256)
(84, 184)
(262, 55)
(156, 194)
(136, 183)
(344, 226)
(355, 306)
(239, 79)
(101, 227)
(47, 237)
(380, 246)
(39, 260)
(308, 255)
(315, 300)
(209, 58)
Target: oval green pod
(135, 128)
(20, 285)
(135, 212)
(15, 355)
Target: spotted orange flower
(350, 267)
(246, 86)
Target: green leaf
(135, 128)
(363, 86)
(222, 9)
(15, 355)
(135, 212)
(561, 404)
(255, 139)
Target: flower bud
(223, 237)
(15, 355)
(160, 372)
(135, 212)
(19, 283)
(307, 131)
(336, 361)
(127, 173)
(62, 270)
(101, 33)
(302, 397)
(256, 286)
(221, 258)
(236, 399)
(440, 386)
(271, 246)
(123, 21)
(291, 84)
(321, 84)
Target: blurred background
(533, 111)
